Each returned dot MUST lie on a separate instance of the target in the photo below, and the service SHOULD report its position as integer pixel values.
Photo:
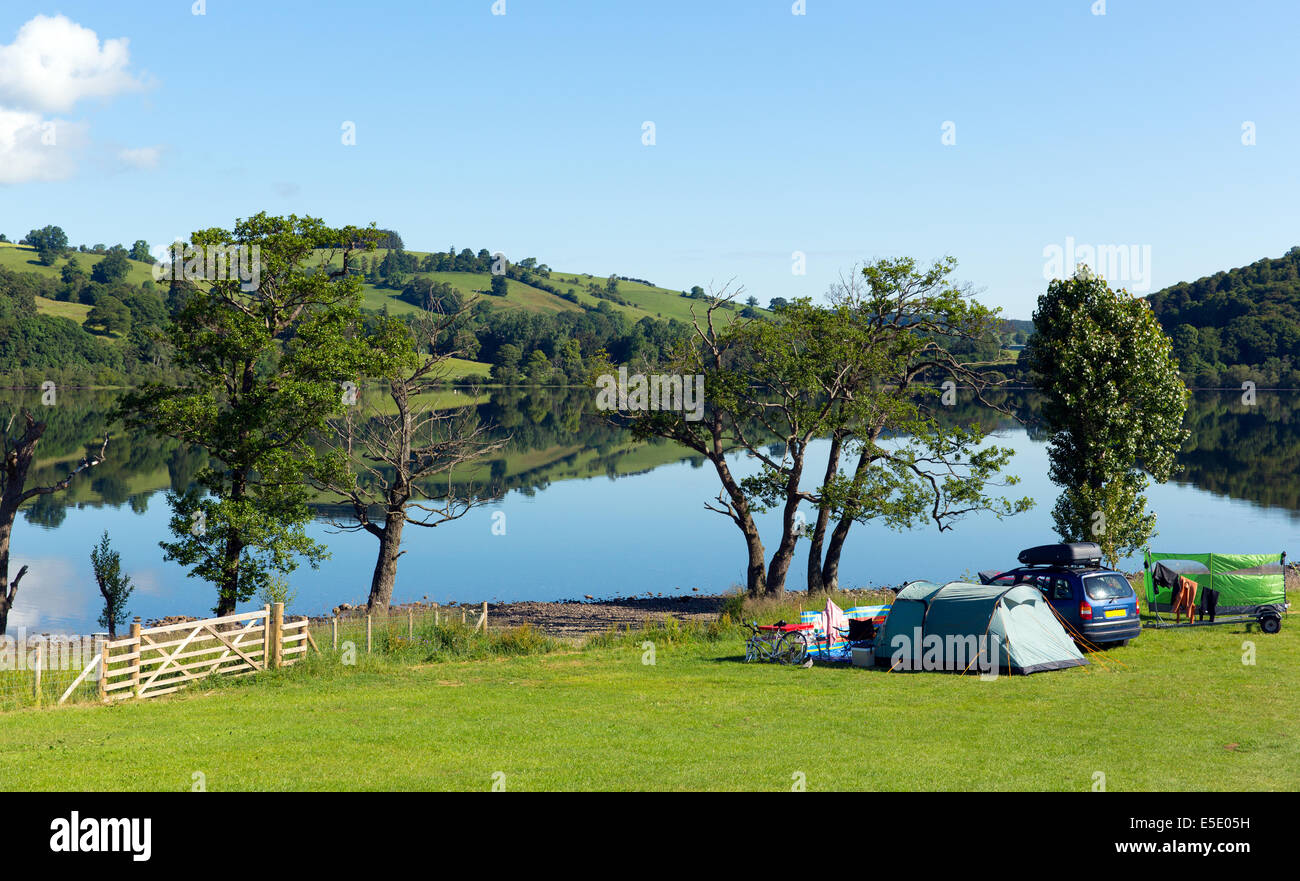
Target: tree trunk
(816, 581)
(385, 576)
(755, 579)
(780, 565)
(228, 589)
(831, 565)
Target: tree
(538, 367)
(114, 586)
(1114, 405)
(265, 370)
(776, 304)
(50, 242)
(110, 314)
(751, 301)
(899, 327)
(709, 353)
(140, 251)
(114, 267)
(856, 372)
(388, 458)
(19, 454)
(499, 286)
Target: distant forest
(1243, 324)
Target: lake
(588, 511)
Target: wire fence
(38, 670)
(398, 628)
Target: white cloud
(33, 148)
(55, 62)
(140, 157)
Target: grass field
(1175, 710)
(58, 308)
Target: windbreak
(1242, 580)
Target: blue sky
(774, 133)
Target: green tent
(963, 627)
(1244, 581)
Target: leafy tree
(50, 242)
(140, 251)
(499, 286)
(538, 367)
(114, 267)
(110, 315)
(265, 371)
(114, 586)
(1114, 405)
(776, 304)
(895, 329)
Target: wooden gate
(160, 660)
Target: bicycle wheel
(793, 648)
(751, 651)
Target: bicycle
(764, 644)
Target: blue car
(1098, 605)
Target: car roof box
(1078, 553)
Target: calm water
(590, 512)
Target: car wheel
(1270, 624)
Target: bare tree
(395, 449)
(19, 453)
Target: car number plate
(1116, 613)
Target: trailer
(1232, 588)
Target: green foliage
(265, 370)
(114, 585)
(113, 268)
(109, 315)
(50, 243)
(1244, 317)
(1114, 403)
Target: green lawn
(1174, 710)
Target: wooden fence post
(277, 634)
(482, 622)
(103, 668)
(410, 624)
(139, 656)
(36, 673)
(335, 623)
(266, 637)
(462, 614)
(369, 640)
(437, 616)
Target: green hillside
(20, 258)
(529, 324)
(1239, 324)
(633, 299)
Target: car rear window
(1107, 587)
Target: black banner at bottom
(170, 831)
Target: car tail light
(1085, 611)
